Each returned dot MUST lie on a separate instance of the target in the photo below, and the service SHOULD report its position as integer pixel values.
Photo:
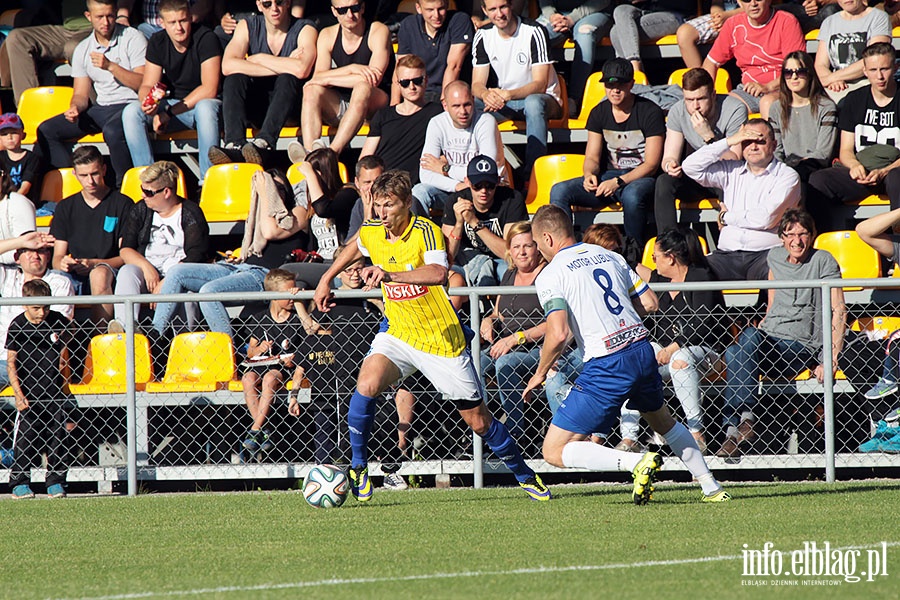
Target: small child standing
(36, 342)
(275, 338)
(23, 166)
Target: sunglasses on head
(150, 193)
(355, 8)
(404, 83)
(801, 72)
(268, 3)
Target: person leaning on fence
(276, 342)
(36, 346)
(161, 231)
(789, 338)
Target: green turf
(490, 543)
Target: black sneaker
(252, 152)
(219, 156)
(252, 442)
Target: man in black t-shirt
(476, 220)
(869, 121)
(188, 60)
(88, 230)
(631, 130)
(397, 133)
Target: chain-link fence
(180, 404)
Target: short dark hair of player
(552, 219)
(174, 6)
(369, 163)
(86, 155)
(695, 79)
(36, 288)
(880, 49)
(797, 216)
(277, 276)
(411, 61)
(393, 183)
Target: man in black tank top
(264, 64)
(354, 68)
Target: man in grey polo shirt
(111, 61)
(700, 119)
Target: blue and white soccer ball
(326, 486)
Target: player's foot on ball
(717, 496)
(644, 475)
(536, 489)
(360, 484)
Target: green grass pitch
(589, 542)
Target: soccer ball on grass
(325, 486)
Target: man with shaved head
(454, 138)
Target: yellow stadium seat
(39, 104)
(647, 258)
(131, 184)
(57, 184)
(594, 92)
(857, 259)
(547, 171)
(7, 392)
(886, 324)
(8, 17)
(295, 176)
(198, 362)
(226, 192)
(104, 371)
(723, 80)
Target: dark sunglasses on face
(404, 83)
(801, 72)
(484, 186)
(355, 8)
(150, 193)
(268, 3)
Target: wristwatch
(620, 182)
(481, 225)
(445, 168)
(520, 338)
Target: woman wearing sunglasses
(804, 119)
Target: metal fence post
(130, 398)
(477, 446)
(828, 383)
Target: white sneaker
(320, 143)
(395, 481)
(115, 326)
(296, 152)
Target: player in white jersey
(592, 293)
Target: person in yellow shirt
(423, 331)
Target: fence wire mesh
(197, 396)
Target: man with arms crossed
(591, 293)
(424, 332)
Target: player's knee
(552, 454)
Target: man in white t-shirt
(33, 264)
(592, 294)
(162, 231)
(527, 84)
(452, 139)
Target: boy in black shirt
(24, 166)
(275, 337)
(35, 345)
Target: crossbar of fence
(474, 294)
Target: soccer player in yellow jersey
(424, 333)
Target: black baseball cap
(617, 70)
(482, 169)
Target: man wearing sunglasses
(528, 87)
(264, 65)
(758, 40)
(476, 220)
(441, 38)
(352, 79)
(397, 133)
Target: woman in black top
(687, 330)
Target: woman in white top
(842, 39)
(16, 215)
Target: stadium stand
(198, 362)
(226, 193)
(39, 104)
(105, 370)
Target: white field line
(434, 576)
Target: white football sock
(588, 455)
(685, 447)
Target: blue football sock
(503, 445)
(359, 420)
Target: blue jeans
(511, 371)
(744, 363)
(568, 368)
(481, 269)
(430, 197)
(636, 199)
(535, 110)
(586, 34)
(204, 117)
(207, 279)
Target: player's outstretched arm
(555, 339)
(323, 295)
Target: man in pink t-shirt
(758, 40)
